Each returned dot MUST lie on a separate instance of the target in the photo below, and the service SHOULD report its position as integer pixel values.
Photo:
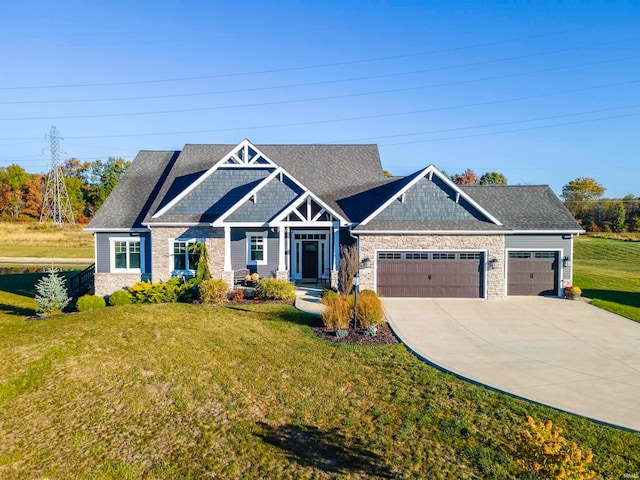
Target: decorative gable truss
(244, 155)
(306, 209)
(429, 172)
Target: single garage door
(430, 274)
(532, 273)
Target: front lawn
(608, 271)
(186, 391)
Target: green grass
(608, 271)
(187, 391)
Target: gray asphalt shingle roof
(348, 178)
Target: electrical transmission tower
(56, 204)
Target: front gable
(429, 196)
(245, 156)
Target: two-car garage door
(461, 274)
(430, 274)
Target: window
(470, 256)
(184, 255)
(444, 256)
(389, 256)
(126, 253)
(257, 248)
(417, 256)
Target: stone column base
(228, 277)
(334, 279)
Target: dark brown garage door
(430, 274)
(532, 273)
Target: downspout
(356, 280)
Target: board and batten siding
(543, 242)
(239, 252)
(103, 253)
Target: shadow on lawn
(631, 299)
(19, 311)
(325, 450)
(286, 315)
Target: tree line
(584, 199)
(88, 184)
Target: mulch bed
(356, 337)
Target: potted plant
(572, 292)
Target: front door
(309, 259)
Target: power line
(295, 85)
(513, 122)
(330, 97)
(304, 67)
(510, 131)
(343, 119)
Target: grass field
(608, 271)
(186, 391)
(42, 241)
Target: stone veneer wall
(107, 283)
(493, 244)
(160, 254)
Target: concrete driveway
(568, 355)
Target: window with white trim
(183, 255)
(126, 254)
(257, 248)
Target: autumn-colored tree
(578, 192)
(33, 195)
(493, 178)
(468, 177)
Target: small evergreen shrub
(51, 294)
(213, 291)
(202, 266)
(369, 310)
(165, 292)
(90, 302)
(338, 312)
(276, 289)
(120, 297)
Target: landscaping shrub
(120, 297)
(329, 292)
(202, 268)
(369, 310)
(165, 292)
(51, 294)
(237, 294)
(338, 312)
(542, 452)
(90, 302)
(213, 291)
(276, 289)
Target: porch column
(336, 246)
(282, 265)
(227, 249)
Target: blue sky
(542, 92)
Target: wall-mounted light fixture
(365, 262)
(493, 263)
(566, 262)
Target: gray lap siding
(239, 257)
(103, 250)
